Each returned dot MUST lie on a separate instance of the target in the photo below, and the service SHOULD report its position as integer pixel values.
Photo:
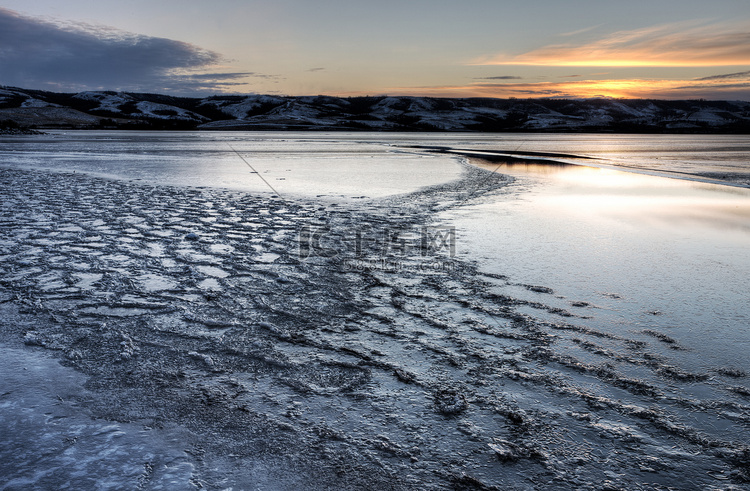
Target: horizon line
(349, 96)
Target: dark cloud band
(42, 54)
(499, 77)
(727, 76)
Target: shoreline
(291, 370)
(733, 179)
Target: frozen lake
(596, 322)
(671, 246)
(296, 164)
(667, 245)
(349, 164)
(648, 252)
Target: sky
(660, 49)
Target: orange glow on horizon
(618, 89)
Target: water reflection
(524, 168)
(663, 245)
(627, 195)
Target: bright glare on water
(650, 252)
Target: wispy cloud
(499, 77)
(198, 83)
(670, 45)
(580, 31)
(728, 76)
(75, 56)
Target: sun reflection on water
(578, 189)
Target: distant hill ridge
(106, 109)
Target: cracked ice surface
(233, 360)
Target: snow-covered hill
(130, 110)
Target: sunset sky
(662, 49)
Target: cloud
(38, 53)
(223, 75)
(316, 69)
(501, 77)
(580, 31)
(728, 75)
(679, 44)
(198, 83)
